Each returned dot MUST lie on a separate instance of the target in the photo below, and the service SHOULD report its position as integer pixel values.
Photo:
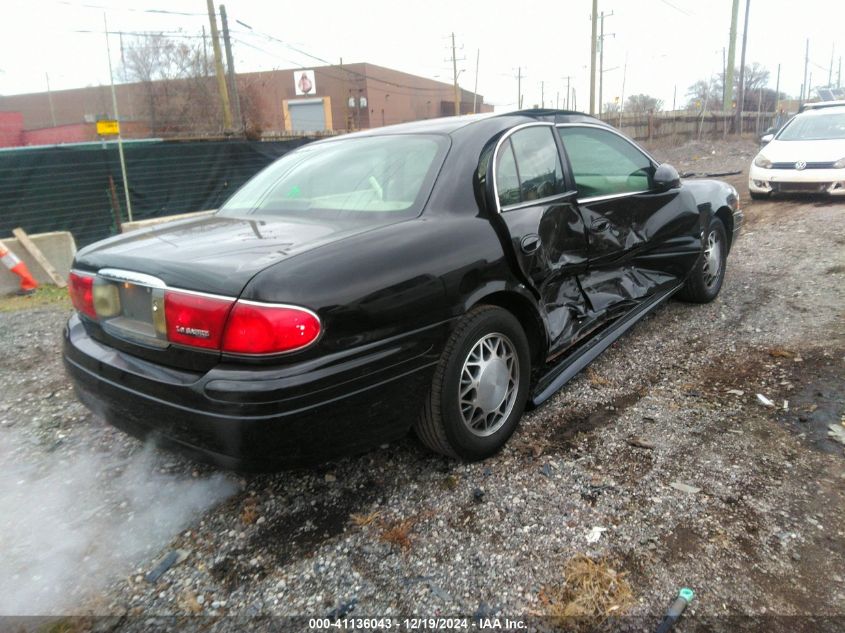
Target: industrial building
(318, 100)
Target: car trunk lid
(210, 258)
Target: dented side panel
(551, 270)
(639, 244)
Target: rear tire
(705, 280)
(479, 388)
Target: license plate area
(135, 320)
(136, 302)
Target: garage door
(307, 115)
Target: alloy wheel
(712, 259)
(489, 384)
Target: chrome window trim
(499, 144)
(531, 203)
(610, 196)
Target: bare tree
(611, 107)
(756, 79)
(642, 103)
(704, 94)
(179, 94)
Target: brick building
(278, 102)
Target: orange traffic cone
(11, 261)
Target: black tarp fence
(66, 187)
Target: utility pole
(568, 90)
(740, 101)
(601, 60)
(204, 53)
(50, 99)
(806, 63)
(455, 77)
(839, 74)
(230, 66)
(557, 101)
(622, 98)
(218, 66)
(830, 69)
(519, 88)
(777, 92)
(475, 89)
(593, 43)
(542, 94)
(724, 75)
(675, 97)
(728, 79)
(117, 118)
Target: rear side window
(507, 178)
(529, 167)
(604, 163)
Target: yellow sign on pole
(108, 128)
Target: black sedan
(439, 275)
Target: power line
(677, 8)
(83, 5)
(360, 74)
(169, 34)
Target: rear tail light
(203, 321)
(195, 320)
(257, 328)
(81, 289)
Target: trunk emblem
(193, 331)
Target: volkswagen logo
(801, 164)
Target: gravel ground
(662, 442)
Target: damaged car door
(546, 234)
(643, 238)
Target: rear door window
(507, 177)
(529, 166)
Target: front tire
(480, 386)
(705, 280)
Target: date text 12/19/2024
(417, 624)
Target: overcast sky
(667, 43)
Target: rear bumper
(821, 181)
(258, 417)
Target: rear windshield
(814, 127)
(370, 178)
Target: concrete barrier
(142, 224)
(59, 247)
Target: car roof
(822, 106)
(448, 125)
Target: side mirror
(771, 130)
(766, 138)
(666, 177)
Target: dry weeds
(592, 592)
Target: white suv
(806, 156)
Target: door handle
(530, 243)
(600, 225)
